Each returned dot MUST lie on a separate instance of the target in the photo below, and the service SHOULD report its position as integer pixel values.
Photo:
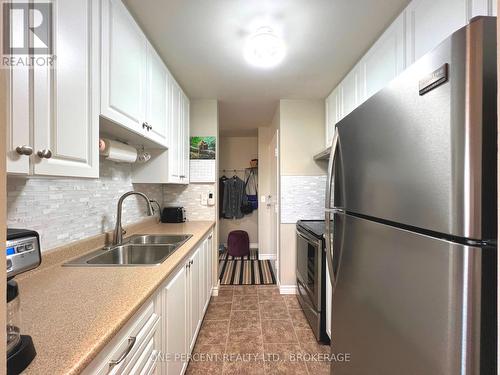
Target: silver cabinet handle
(24, 150)
(182, 176)
(44, 154)
(146, 126)
(131, 343)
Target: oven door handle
(309, 239)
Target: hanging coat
(234, 196)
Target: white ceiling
(202, 41)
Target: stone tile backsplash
(189, 196)
(63, 210)
(302, 198)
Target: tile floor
(255, 330)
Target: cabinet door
(124, 50)
(194, 298)
(175, 133)
(65, 97)
(385, 60)
(175, 318)
(429, 22)
(210, 268)
(349, 92)
(18, 127)
(203, 277)
(184, 140)
(156, 114)
(333, 115)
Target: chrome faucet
(119, 232)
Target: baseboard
(253, 245)
(267, 256)
(215, 291)
(288, 289)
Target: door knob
(24, 150)
(44, 154)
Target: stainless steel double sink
(138, 250)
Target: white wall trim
(267, 256)
(288, 289)
(215, 291)
(253, 245)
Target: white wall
(236, 153)
(302, 135)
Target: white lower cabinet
(125, 353)
(175, 326)
(160, 336)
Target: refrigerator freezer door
(406, 303)
(428, 161)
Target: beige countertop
(73, 312)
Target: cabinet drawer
(127, 344)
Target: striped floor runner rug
(246, 270)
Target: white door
(124, 51)
(156, 114)
(66, 97)
(175, 318)
(194, 297)
(274, 198)
(429, 22)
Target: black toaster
(173, 215)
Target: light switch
(262, 199)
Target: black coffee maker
(23, 254)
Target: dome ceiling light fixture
(264, 49)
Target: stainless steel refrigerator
(411, 218)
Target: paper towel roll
(119, 152)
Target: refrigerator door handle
(330, 188)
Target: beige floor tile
(249, 319)
(315, 358)
(245, 290)
(291, 301)
(225, 296)
(213, 332)
(305, 335)
(245, 303)
(284, 359)
(278, 332)
(298, 319)
(238, 336)
(273, 310)
(218, 311)
(243, 367)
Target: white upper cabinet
(135, 82)
(18, 145)
(157, 98)
(124, 58)
(384, 61)
(333, 114)
(66, 96)
(417, 30)
(429, 22)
